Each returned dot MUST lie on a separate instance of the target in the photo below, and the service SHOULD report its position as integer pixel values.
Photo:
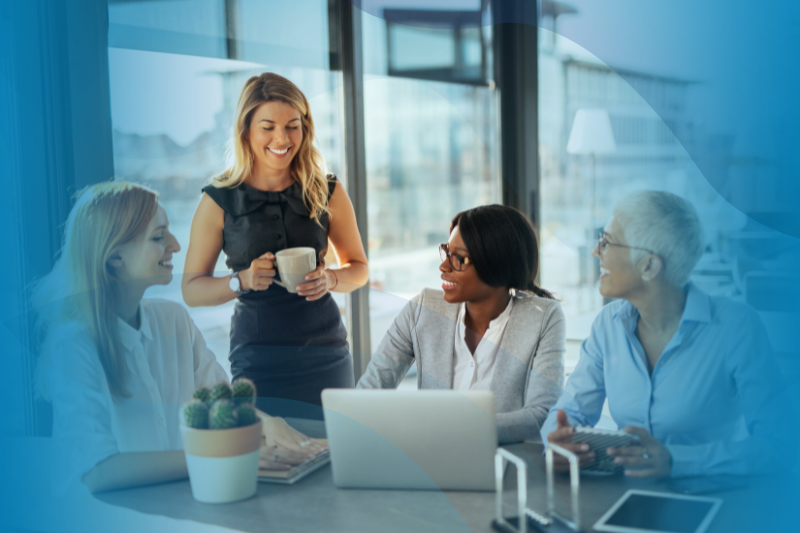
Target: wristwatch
(235, 284)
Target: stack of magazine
(296, 473)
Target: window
(176, 71)
(579, 187)
(431, 151)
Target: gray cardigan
(529, 371)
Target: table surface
(315, 504)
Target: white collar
(500, 319)
(129, 336)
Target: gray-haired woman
(690, 374)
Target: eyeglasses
(458, 262)
(603, 243)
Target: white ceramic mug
(293, 264)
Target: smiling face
(147, 259)
(618, 276)
(464, 285)
(275, 135)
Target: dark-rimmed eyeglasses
(458, 262)
(603, 243)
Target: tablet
(640, 511)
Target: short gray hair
(665, 224)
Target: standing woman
(276, 195)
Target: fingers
(266, 459)
(642, 433)
(261, 273)
(561, 464)
(319, 445)
(562, 419)
(313, 446)
(260, 280)
(634, 461)
(265, 464)
(316, 287)
(312, 287)
(561, 435)
(321, 291)
(630, 456)
(302, 445)
(263, 264)
(581, 450)
(282, 455)
(293, 457)
(626, 451)
(319, 272)
(646, 472)
(635, 464)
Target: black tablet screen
(660, 514)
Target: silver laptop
(429, 439)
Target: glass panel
(284, 33)
(421, 48)
(442, 45)
(631, 148)
(432, 151)
(172, 115)
(177, 26)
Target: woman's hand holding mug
(260, 275)
(317, 284)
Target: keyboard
(296, 473)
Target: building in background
(431, 136)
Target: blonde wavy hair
(81, 287)
(307, 167)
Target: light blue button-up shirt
(715, 398)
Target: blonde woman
(118, 367)
(276, 195)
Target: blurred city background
(432, 135)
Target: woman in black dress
(276, 195)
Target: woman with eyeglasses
(491, 327)
(691, 375)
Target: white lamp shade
(591, 133)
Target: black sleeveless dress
(292, 349)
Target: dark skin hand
(659, 464)
(561, 436)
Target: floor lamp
(591, 134)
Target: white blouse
(167, 359)
(474, 371)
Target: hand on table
(650, 458)
(283, 446)
(260, 275)
(562, 436)
(317, 284)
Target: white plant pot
(223, 463)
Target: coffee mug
(293, 264)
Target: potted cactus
(221, 438)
